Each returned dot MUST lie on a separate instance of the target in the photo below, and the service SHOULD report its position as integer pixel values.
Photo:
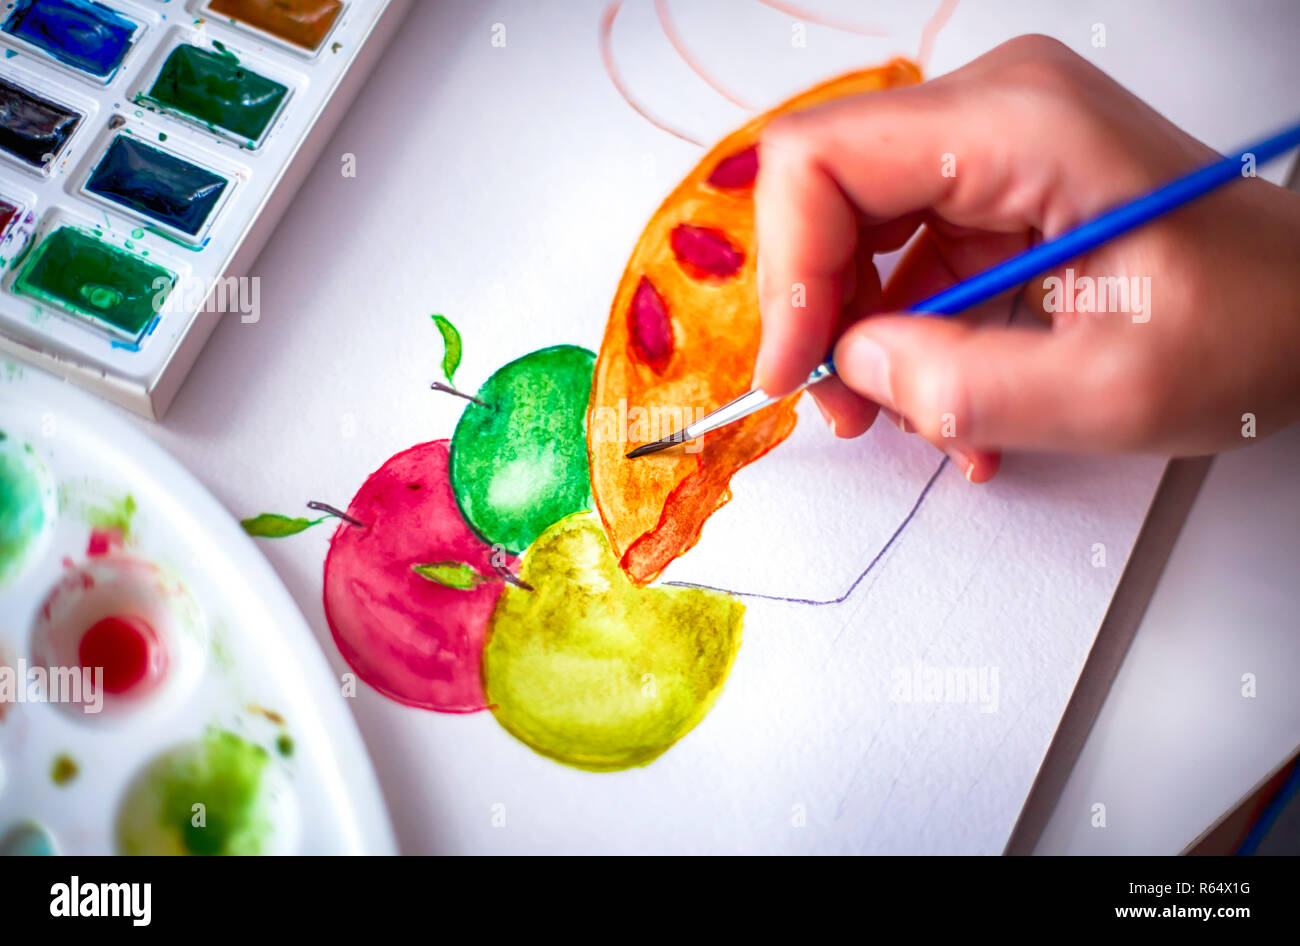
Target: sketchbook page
(504, 187)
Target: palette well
(197, 680)
(146, 152)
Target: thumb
(987, 387)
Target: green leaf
(270, 525)
(451, 347)
(451, 575)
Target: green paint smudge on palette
(213, 89)
(115, 515)
(519, 459)
(594, 672)
(284, 745)
(28, 501)
(75, 270)
(223, 773)
(26, 498)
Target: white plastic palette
(241, 659)
(143, 371)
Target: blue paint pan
(83, 34)
(160, 186)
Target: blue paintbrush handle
(1074, 243)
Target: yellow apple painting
(511, 568)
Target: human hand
(1034, 140)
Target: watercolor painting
(510, 568)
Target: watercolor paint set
(147, 150)
(159, 691)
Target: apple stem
(448, 389)
(510, 577)
(337, 513)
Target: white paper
(505, 187)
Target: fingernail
(826, 415)
(965, 462)
(865, 366)
(898, 420)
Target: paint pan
(80, 273)
(166, 191)
(9, 214)
(212, 88)
(86, 36)
(33, 129)
(304, 24)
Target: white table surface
(1175, 744)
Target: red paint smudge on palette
(105, 540)
(412, 639)
(127, 649)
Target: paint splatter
(115, 515)
(268, 714)
(28, 498)
(284, 745)
(204, 798)
(412, 639)
(594, 672)
(697, 252)
(64, 770)
(519, 460)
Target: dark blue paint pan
(175, 196)
(84, 35)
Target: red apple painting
(410, 637)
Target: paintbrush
(1022, 267)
